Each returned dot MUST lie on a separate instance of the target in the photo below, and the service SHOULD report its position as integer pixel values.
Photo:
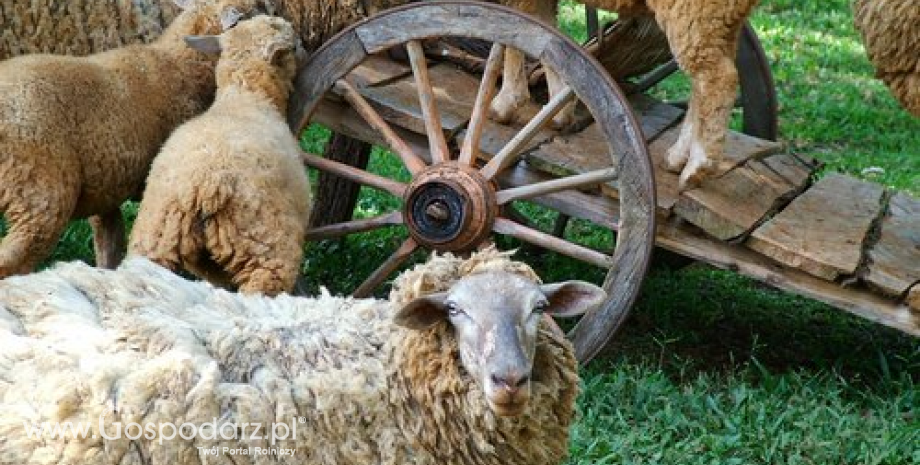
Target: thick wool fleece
(78, 134)
(142, 345)
(891, 32)
(79, 27)
(228, 198)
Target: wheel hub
(450, 207)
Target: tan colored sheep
(228, 198)
(79, 27)
(472, 379)
(891, 32)
(77, 134)
(703, 35)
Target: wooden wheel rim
(636, 227)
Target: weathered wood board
(398, 101)
(377, 70)
(764, 185)
(682, 239)
(822, 231)
(894, 260)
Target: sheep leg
(515, 92)
(36, 217)
(714, 77)
(566, 117)
(108, 238)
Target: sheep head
(496, 316)
(218, 15)
(263, 40)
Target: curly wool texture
(79, 27)
(78, 134)
(891, 31)
(77, 342)
(227, 197)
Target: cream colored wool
(78, 134)
(891, 31)
(79, 27)
(141, 344)
(228, 198)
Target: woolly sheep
(227, 197)
(475, 381)
(77, 134)
(79, 27)
(891, 32)
(703, 35)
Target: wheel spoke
(510, 228)
(355, 174)
(356, 226)
(381, 273)
(413, 162)
(548, 187)
(438, 144)
(470, 151)
(654, 77)
(512, 149)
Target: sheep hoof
(676, 158)
(504, 109)
(694, 174)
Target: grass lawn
(714, 368)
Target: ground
(715, 368)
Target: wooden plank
(823, 230)
(894, 260)
(654, 116)
(455, 94)
(377, 70)
(742, 198)
(739, 259)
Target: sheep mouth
(510, 408)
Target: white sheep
(77, 134)
(227, 197)
(454, 369)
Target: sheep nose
(511, 383)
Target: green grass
(714, 368)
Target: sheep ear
(422, 312)
(572, 298)
(184, 4)
(229, 17)
(209, 45)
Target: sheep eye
(453, 310)
(541, 307)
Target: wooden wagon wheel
(453, 202)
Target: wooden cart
(467, 171)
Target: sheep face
(496, 317)
(218, 15)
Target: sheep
(891, 32)
(78, 134)
(703, 35)
(79, 27)
(227, 197)
(453, 369)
